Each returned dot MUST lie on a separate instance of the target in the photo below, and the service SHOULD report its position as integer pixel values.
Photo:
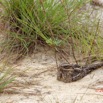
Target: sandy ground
(36, 83)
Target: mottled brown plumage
(69, 73)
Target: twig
(89, 53)
(38, 74)
(72, 44)
(90, 94)
(63, 56)
(56, 58)
(73, 51)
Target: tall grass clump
(31, 20)
(5, 77)
(54, 22)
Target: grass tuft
(50, 22)
(5, 77)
